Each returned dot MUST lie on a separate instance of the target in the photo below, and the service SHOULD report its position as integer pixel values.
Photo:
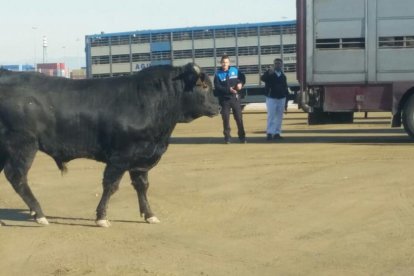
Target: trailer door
(336, 42)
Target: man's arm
(266, 75)
(286, 85)
(242, 78)
(219, 87)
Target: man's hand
(238, 87)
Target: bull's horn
(197, 69)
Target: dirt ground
(327, 200)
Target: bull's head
(198, 99)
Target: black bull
(124, 122)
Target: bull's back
(83, 118)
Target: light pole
(44, 49)
(34, 46)
(64, 62)
(78, 53)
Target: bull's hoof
(103, 223)
(153, 220)
(32, 213)
(2, 223)
(42, 221)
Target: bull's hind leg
(140, 182)
(16, 167)
(110, 184)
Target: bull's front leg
(140, 182)
(110, 183)
(16, 167)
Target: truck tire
(408, 116)
(316, 118)
(342, 117)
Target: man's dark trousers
(234, 104)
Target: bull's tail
(62, 166)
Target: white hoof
(153, 220)
(103, 223)
(42, 221)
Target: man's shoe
(277, 137)
(269, 137)
(227, 141)
(243, 141)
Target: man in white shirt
(276, 92)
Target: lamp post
(65, 74)
(34, 28)
(78, 52)
(44, 48)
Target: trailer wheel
(408, 116)
(342, 117)
(316, 118)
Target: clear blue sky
(65, 23)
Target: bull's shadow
(8, 216)
(86, 222)
(15, 215)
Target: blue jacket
(223, 80)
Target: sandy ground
(327, 200)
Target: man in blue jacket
(228, 81)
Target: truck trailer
(356, 56)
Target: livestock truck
(356, 56)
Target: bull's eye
(200, 83)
